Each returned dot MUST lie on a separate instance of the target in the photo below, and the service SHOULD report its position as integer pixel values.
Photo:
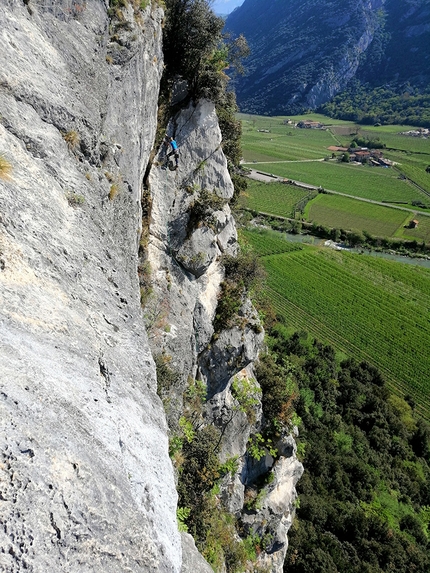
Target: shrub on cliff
(241, 274)
(191, 43)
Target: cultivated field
(274, 198)
(302, 155)
(421, 233)
(373, 183)
(330, 210)
(369, 308)
(285, 142)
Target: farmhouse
(372, 156)
(360, 155)
(310, 124)
(413, 224)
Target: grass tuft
(113, 191)
(5, 168)
(72, 139)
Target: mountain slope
(303, 54)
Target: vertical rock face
(184, 257)
(190, 228)
(85, 479)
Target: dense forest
(364, 499)
(401, 104)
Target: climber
(174, 149)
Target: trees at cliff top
(195, 50)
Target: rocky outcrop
(192, 560)
(190, 228)
(184, 255)
(272, 516)
(86, 481)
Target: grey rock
(192, 561)
(254, 469)
(186, 271)
(179, 92)
(232, 494)
(198, 252)
(276, 511)
(227, 237)
(87, 483)
(232, 351)
(203, 329)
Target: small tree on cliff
(196, 50)
(192, 46)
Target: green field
(356, 180)
(302, 155)
(272, 152)
(421, 233)
(300, 144)
(337, 211)
(274, 198)
(366, 307)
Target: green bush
(202, 209)
(241, 274)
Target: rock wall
(85, 479)
(186, 272)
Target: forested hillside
(364, 497)
(303, 54)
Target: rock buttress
(191, 228)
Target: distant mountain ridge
(224, 7)
(303, 54)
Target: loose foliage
(364, 495)
(191, 44)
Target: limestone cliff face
(86, 483)
(85, 479)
